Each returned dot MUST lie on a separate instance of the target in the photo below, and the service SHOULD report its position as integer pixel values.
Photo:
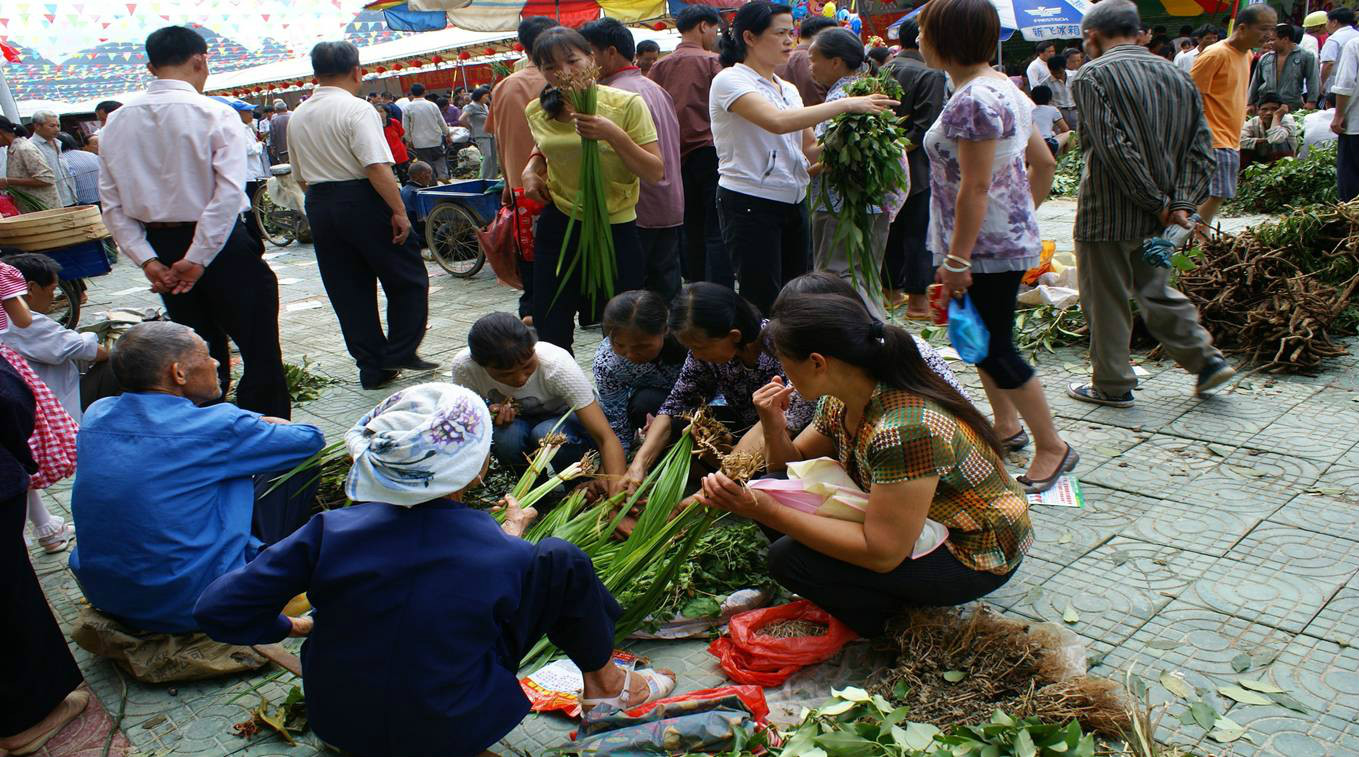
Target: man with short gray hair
(46, 126)
(164, 495)
(340, 156)
(278, 131)
(1148, 157)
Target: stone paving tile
(1199, 645)
(1026, 586)
(1325, 513)
(1338, 621)
(1324, 677)
(1062, 535)
(1190, 524)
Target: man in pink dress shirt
(686, 75)
(172, 191)
(660, 206)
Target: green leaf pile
(862, 154)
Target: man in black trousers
(908, 266)
(172, 190)
(358, 222)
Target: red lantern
(396, 66)
(437, 59)
(518, 48)
(363, 71)
(381, 69)
(314, 82)
(659, 26)
(464, 55)
(490, 51)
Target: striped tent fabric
(504, 15)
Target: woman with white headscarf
(423, 606)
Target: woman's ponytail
(730, 49)
(552, 100)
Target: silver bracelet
(951, 269)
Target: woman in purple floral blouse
(983, 230)
(726, 359)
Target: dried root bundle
(793, 629)
(1277, 295)
(956, 670)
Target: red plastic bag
(7, 206)
(751, 696)
(748, 657)
(526, 210)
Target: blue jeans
(515, 442)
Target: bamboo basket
(52, 229)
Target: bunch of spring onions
(594, 253)
(659, 543)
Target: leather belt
(168, 224)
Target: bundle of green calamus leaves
(594, 253)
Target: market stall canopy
(1035, 20)
(446, 47)
(296, 71)
(504, 15)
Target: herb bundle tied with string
(862, 155)
(594, 253)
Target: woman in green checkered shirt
(917, 446)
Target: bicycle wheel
(66, 304)
(450, 231)
(279, 224)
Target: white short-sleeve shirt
(558, 385)
(751, 160)
(335, 136)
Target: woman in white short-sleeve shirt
(761, 131)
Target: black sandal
(1068, 464)
(1017, 442)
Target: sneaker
(1088, 393)
(1215, 373)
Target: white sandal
(59, 541)
(658, 686)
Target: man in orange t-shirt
(1222, 74)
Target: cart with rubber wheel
(452, 214)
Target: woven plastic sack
(746, 656)
(967, 332)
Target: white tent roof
(29, 107)
(427, 43)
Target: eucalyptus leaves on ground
(855, 724)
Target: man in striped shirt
(1148, 159)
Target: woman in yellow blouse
(907, 438)
(627, 152)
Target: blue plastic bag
(967, 332)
